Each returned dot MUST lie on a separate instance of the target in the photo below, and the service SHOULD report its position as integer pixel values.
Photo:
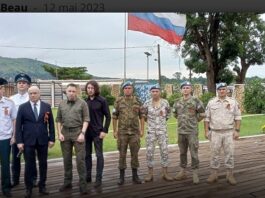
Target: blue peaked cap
(3, 81)
(23, 77)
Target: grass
(249, 126)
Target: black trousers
(16, 167)
(30, 165)
(98, 145)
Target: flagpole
(125, 46)
(159, 65)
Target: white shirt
(8, 113)
(20, 99)
(38, 106)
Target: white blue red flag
(168, 26)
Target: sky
(91, 31)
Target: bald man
(35, 132)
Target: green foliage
(73, 73)
(163, 94)
(254, 101)
(220, 44)
(105, 91)
(110, 99)
(171, 99)
(206, 97)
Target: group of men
(27, 125)
(131, 116)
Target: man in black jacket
(98, 109)
(35, 132)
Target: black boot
(121, 179)
(135, 177)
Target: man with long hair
(97, 130)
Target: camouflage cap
(3, 81)
(220, 85)
(127, 83)
(156, 86)
(185, 83)
(23, 77)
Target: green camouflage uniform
(127, 112)
(188, 112)
(72, 115)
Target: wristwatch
(238, 130)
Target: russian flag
(168, 26)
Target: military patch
(228, 106)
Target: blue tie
(36, 111)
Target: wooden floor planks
(249, 172)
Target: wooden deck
(249, 172)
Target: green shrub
(163, 94)
(254, 101)
(105, 90)
(206, 97)
(110, 99)
(171, 99)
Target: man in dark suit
(35, 132)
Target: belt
(222, 130)
(72, 128)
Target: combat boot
(121, 179)
(213, 177)
(230, 177)
(135, 177)
(165, 175)
(181, 175)
(150, 176)
(195, 176)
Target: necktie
(35, 111)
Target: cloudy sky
(91, 31)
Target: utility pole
(147, 64)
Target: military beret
(156, 86)
(23, 77)
(127, 83)
(221, 84)
(185, 83)
(3, 81)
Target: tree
(177, 75)
(73, 73)
(214, 41)
(247, 31)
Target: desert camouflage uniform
(157, 131)
(128, 113)
(221, 115)
(188, 112)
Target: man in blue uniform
(7, 127)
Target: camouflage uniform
(221, 115)
(72, 115)
(127, 111)
(188, 112)
(157, 130)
